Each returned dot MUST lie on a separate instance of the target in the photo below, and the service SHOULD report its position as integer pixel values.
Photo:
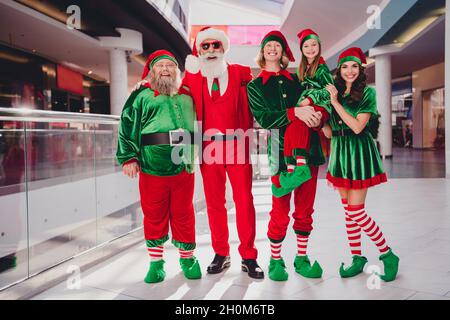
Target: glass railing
(61, 190)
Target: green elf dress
(354, 161)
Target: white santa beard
(214, 68)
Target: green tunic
(269, 103)
(148, 112)
(315, 87)
(354, 159)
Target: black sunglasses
(215, 45)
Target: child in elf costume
(150, 126)
(355, 163)
(314, 75)
(273, 98)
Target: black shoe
(251, 267)
(8, 262)
(218, 264)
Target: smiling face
(165, 68)
(210, 49)
(164, 77)
(310, 48)
(273, 51)
(349, 71)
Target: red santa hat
(154, 57)
(352, 54)
(307, 34)
(192, 64)
(276, 35)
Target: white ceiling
(235, 12)
(332, 20)
(30, 30)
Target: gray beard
(212, 69)
(164, 85)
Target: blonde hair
(261, 61)
(303, 70)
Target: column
(131, 41)
(118, 73)
(447, 90)
(384, 99)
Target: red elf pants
(297, 135)
(168, 200)
(304, 197)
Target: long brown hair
(358, 85)
(303, 70)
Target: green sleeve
(368, 102)
(324, 76)
(129, 143)
(265, 114)
(320, 96)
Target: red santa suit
(222, 107)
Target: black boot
(218, 264)
(251, 267)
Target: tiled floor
(413, 213)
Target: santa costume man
(149, 136)
(219, 93)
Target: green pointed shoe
(280, 192)
(191, 268)
(292, 180)
(277, 270)
(390, 262)
(303, 267)
(156, 272)
(355, 268)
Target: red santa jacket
(238, 78)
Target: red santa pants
(168, 199)
(304, 197)
(214, 179)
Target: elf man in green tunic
(155, 141)
(274, 98)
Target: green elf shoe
(356, 267)
(277, 270)
(156, 272)
(191, 268)
(303, 267)
(292, 180)
(280, 192)
(390, 261)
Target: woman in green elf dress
(355, 163)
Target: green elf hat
(276, 35)
(307, 34)
(155, 57)
(352, 54)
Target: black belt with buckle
(173, 137)
(345, 132)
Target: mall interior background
(48, 69)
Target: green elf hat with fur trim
(352, 54)
(276, 35)
(155, 57)
(307, 34)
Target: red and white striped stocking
(302, 244)
(156, 253)
(353, 231)
(275, 250)
(358, 214)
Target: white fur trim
(192, 64)
(215, 34)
